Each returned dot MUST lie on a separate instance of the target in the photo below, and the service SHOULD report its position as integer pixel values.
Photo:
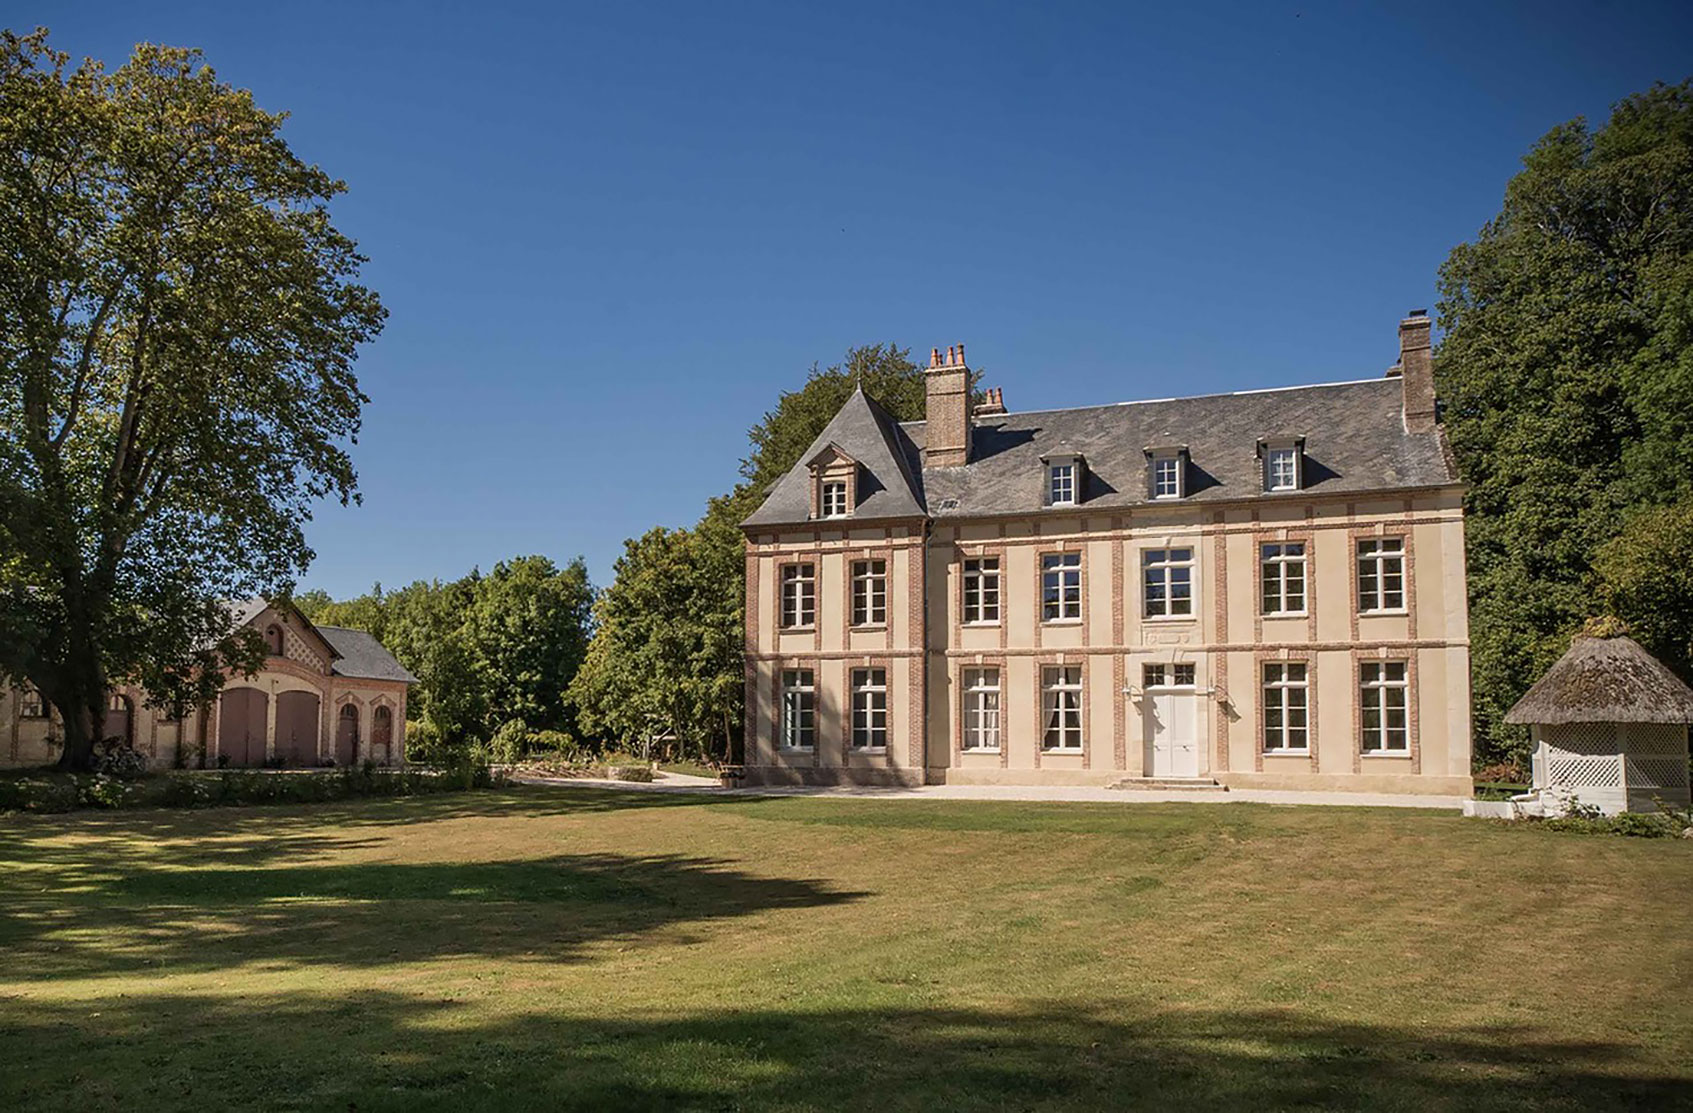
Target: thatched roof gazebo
(1609, 724)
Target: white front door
(1171, 720)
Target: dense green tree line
(1566, 371)
(487, 649)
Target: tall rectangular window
(799, 596)
(1281, 469)
(1283, 576)
(1286, 725)
(799, 709)
(1061, 587)
(869, 592)
(1166, 477)
(1381, 574)
(1061, 707)
(834, 499)
(981, 709)
(1168, 579)
(1382, 693)
(1061, 484)
(869, 708)
(981, 590)
(30, 703)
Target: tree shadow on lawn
(94, 921)
(383, 1051)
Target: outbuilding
(1609, 725)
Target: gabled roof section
(832, 454)
(1355, 441)
(247, 611)
(888, 484)
(360, 656)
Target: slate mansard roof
(1355, 442)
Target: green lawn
(570, 947)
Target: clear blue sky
(610, 234)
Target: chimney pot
(961, 352)
(934, 357)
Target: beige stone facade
(312, 704)
(1350, 672)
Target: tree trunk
(82, 721)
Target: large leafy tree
(666, 655)
(178, 325)
(1567, 375)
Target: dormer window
(1284, 463)
(834, 483)
(1166, 471)
(1061, 484)
(1066, 478)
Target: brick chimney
(946, 410)
(993, 403)
(1415, 370)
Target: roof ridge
(1184, 398)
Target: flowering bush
(63, 792)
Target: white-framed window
(1167, 477)
(30, 703)
(1281, 469)
(1167, 576)
(869, 592)
(834, 500)
(1282, 572)
(981, 709)
(1286, 714)
(1061, 484)
(1061, 707)
(1178, 675)
(869, 709)
(1061, 587)
(799, 596)
(1381, 574)
(799, 709)
(1383, 691)
(981, 591)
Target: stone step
(1169, 784)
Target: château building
(1263, 588)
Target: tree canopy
(178, 325)
(1566, 371)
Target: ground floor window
(1061, 705)
(1383, 694)
(869, 708)
(799, 709)
(981, 709)
(1286, 714)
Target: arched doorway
(382, 735)
(119, 722)
(241, 726)
(296, 728)
(347, 735)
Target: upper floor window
(1061, 484)
(1286, 729)
(869, 592)
(799, 709)
(1168, 580)
(1381, 574)
(273, 640)
(30, 703)
(1283, 577)
(981, 709)
(834, 499)
(1061, 587)
(799, 596)
(1166, 477)
(981, 590)
(1281, 469)
(869, 709)
(1382, 691)
(1061, 707)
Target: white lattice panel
(1578, 771)
(1581, 738)
(1655, 739)
(1657, 772)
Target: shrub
(119, 759)
(65, 792)
(1502, 772)
(554, 745)
(509, 742)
